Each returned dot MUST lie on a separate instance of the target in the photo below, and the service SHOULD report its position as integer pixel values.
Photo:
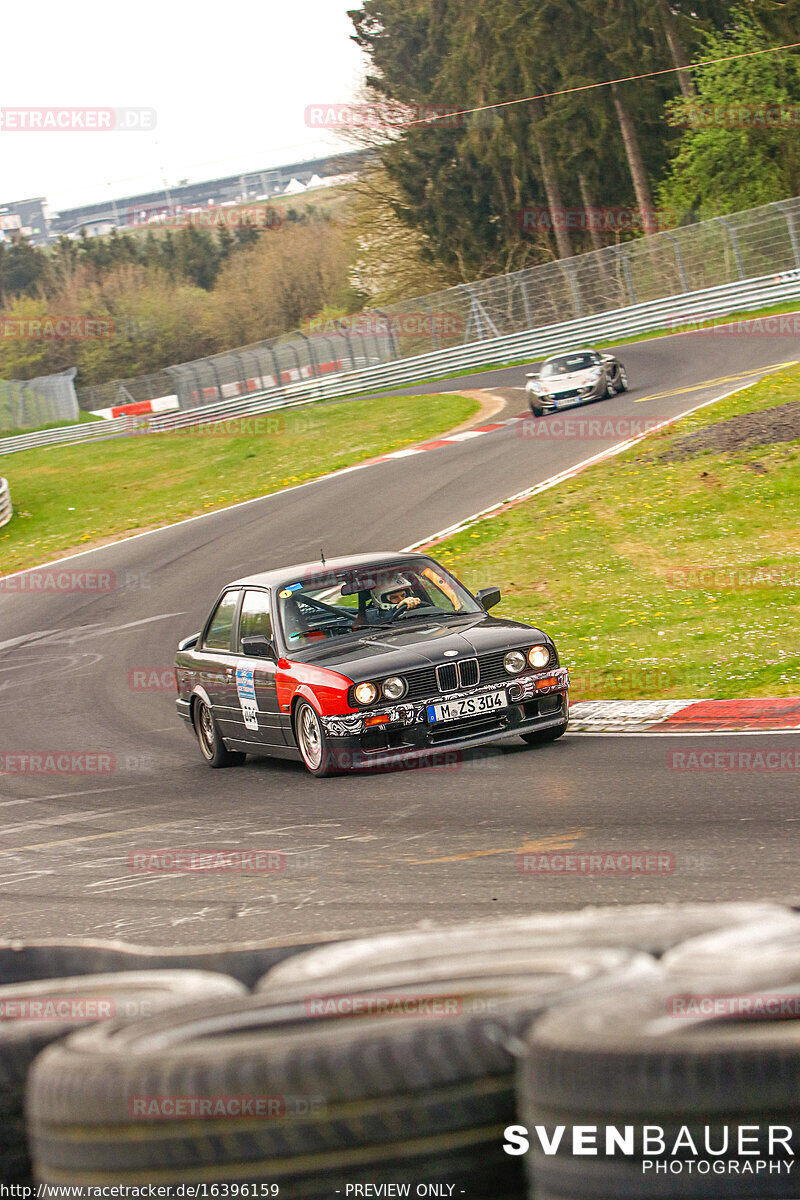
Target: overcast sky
(230, 83)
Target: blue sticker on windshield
(294, 587)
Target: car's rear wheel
(311, 740)
(543, 736)
(212, 747)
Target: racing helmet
(395, 583)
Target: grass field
(83, 417)
(659, 578)
(71, 496)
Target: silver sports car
(570, 379)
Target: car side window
(218, 636)
(255, 617)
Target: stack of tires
(405, 1059)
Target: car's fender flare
(302, 692)
(198, 693)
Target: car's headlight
(514, 662)
(539, 656)
(596, 374)
(394, 688)
(365, 693)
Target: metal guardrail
(685, 259)
(6, 509)
(679, 313)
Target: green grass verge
(73, 495)
(660, 579)
(82, 419)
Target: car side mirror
(187, 643)
(488, 597)
(258, 646)
(532, 375)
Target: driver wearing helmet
(394, 594)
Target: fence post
(734, 242)
(6, 508)
(389, 332)
(788, 216)
(315, 371)
(678, 259)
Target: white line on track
(563, 476)
(67, 795)
(64, 818)
(285, 491)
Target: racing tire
(209, 738)
(651, 928)
(622, 385)
(24, 962)
(312, 741)
(387, 1095)
(107, 996)
(542, 737)
(599, 1063)
(537, 412)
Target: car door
(215, 661)
(257, 718)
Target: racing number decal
(246, 691)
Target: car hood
(566, 383)
(396, 650)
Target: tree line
(661, 143)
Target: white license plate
(569, 403)
(468, 706)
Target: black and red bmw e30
(362, 662)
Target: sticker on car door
(246, 691)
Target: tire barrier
(410, 1079)
(408, 1057)
(33, 1015)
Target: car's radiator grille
(487, 669)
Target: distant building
(237, 189)
(25, 218)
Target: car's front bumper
(408, 736)
(559, 403)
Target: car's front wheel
(537, 411)
(212, 747)
(622, 379)
(311, 740)
(543, 736)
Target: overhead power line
(587, 87)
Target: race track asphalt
(371, 852)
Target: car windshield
(330, 604)
(567, 364)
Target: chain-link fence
(686, 259)
(33, 402)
